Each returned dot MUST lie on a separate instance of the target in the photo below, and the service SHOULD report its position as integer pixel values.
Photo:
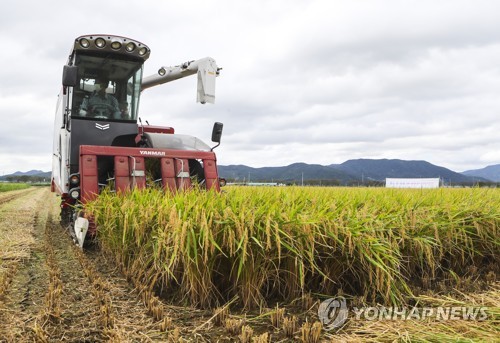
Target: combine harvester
(98, 141)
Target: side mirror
(217, 133)
(70, 76)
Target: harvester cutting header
(98, 141)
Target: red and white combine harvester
(98, 141)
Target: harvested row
(23, 277)
(261, 243)
(52, 292)
(12, 195)
(50, 317)
(122, 316)
(100, 296)
(67, 314)
(93, 305)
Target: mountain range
(31, 173)
(351, 171)
(364, 170)
(291, 173)
(379, 170)
(490, 173)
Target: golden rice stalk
(246, 334)
(221, 314)
(157, 311)
(233, 326)
(107, 320)
(264, 338)
(166, 324)
(307, 301)
(311, 333)
(174, 336)
(41, 335)
(277, 317)
(114, 336)
(289, 326)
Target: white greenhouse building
(412, 183)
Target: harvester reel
(196, 171)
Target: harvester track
(10, 196)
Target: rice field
(53, 291)
(259, 246)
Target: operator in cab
(100, 104)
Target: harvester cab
(98, 141)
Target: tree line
(27, 178)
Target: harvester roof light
(130, 46)
(116, 45)
(84, 42)
(162, 71)
(112, 44)
(100, 43)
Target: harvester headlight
(84, 43)
(74, 193)
(116, 45)
(162, 71)
(142, 51)
(100, 43)
(130, 46)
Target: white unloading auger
(206, 68)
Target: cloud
(313, 81)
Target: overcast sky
(302, 81)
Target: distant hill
(292, 173)
(490, 172)
(30, 174)
(361, 170)
(370, 169)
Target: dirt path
(52, 292)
